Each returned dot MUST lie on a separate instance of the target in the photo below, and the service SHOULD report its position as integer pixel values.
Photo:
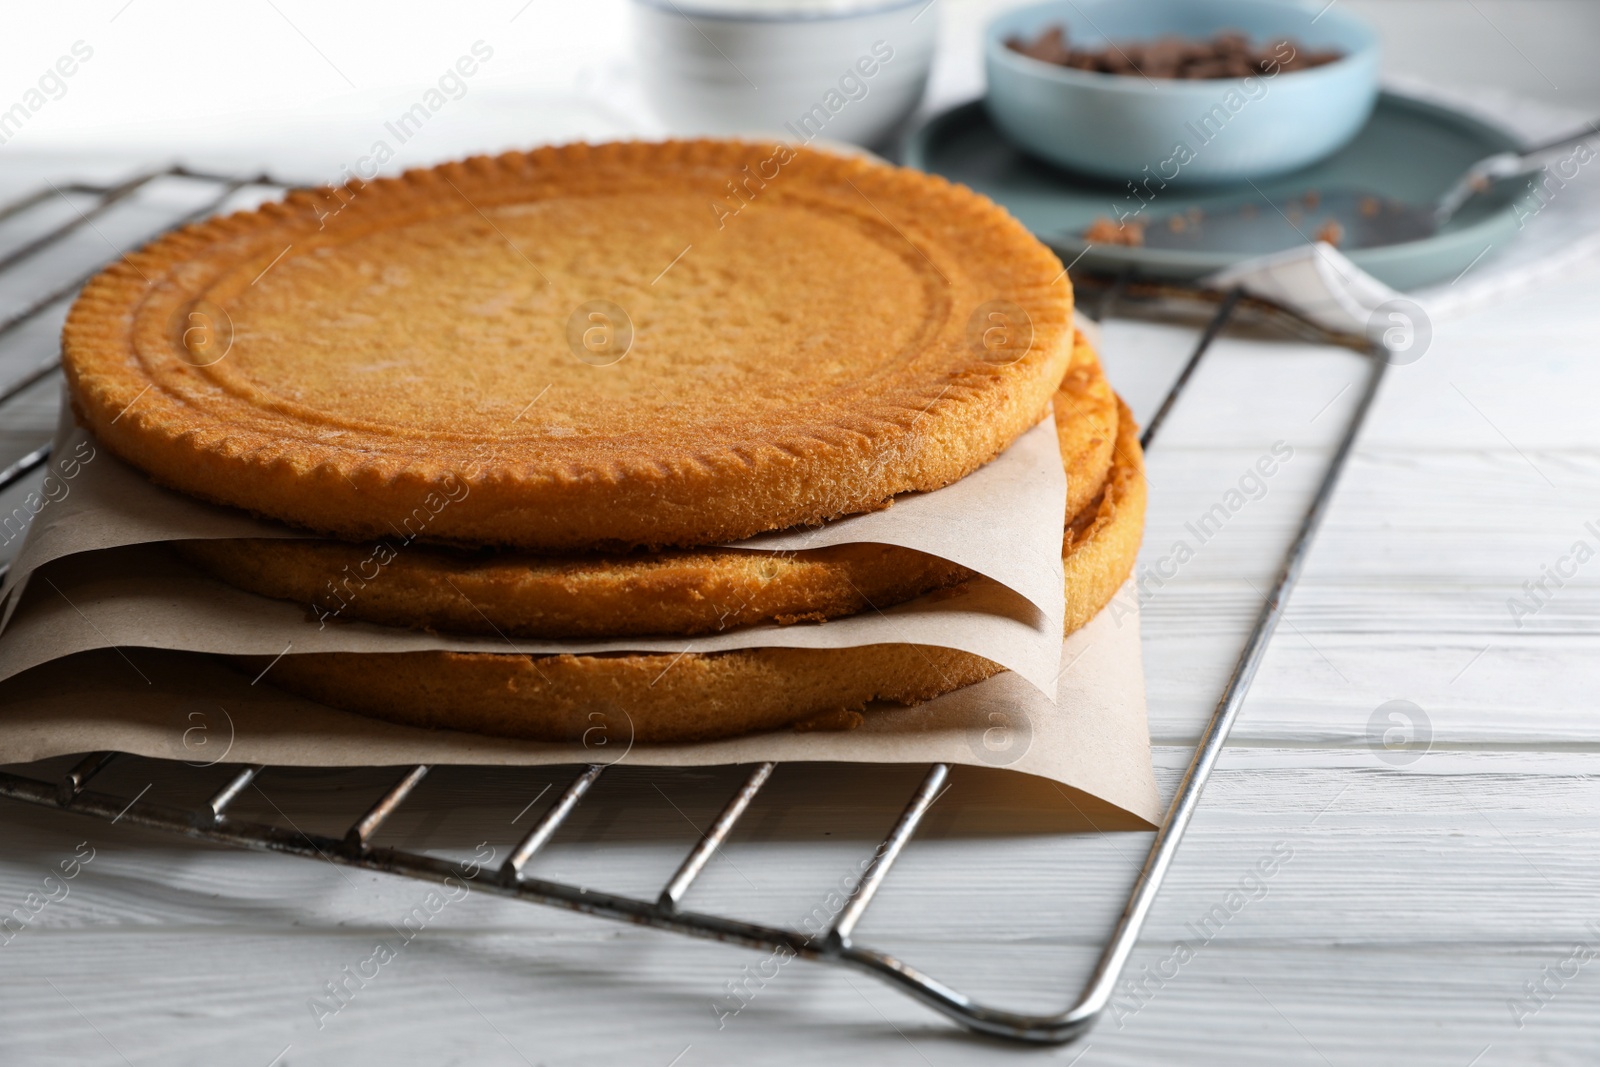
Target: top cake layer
(578, 348)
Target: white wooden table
(1419, 896)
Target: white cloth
(1317, 280)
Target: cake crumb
(840, 719)
(1102, 231)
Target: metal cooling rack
(1101, 297)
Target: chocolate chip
(1229, 54)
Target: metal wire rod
(49, 192)
(886, 854)
(1209, 334)
(1207, 752)
(359, 834)
(261, 178)
(55, 296)
(35, 198)
(107, 200)
(229, 792)
(701, 854)
(1051, 1029)
(21, 468)
(511, 870)
(39, 373)
(74, 781)
(1111, 294)
(265, 837)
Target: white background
(252, 77)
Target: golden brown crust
(1086, 425)
(686, 592)
(1102, 543)
(645, 698)
(521, 595)
(396, 354)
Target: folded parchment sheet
(96, 552)
(1093, 740)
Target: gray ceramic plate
(1409, 150)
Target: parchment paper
(193, 707)
(1004, 520)
(144, 595)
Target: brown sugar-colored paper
(1002, 521)
(187, 706)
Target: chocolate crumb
(1227, 55)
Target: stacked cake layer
(569, 383)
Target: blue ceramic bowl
(1128, 128)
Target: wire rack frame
(212, 823)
